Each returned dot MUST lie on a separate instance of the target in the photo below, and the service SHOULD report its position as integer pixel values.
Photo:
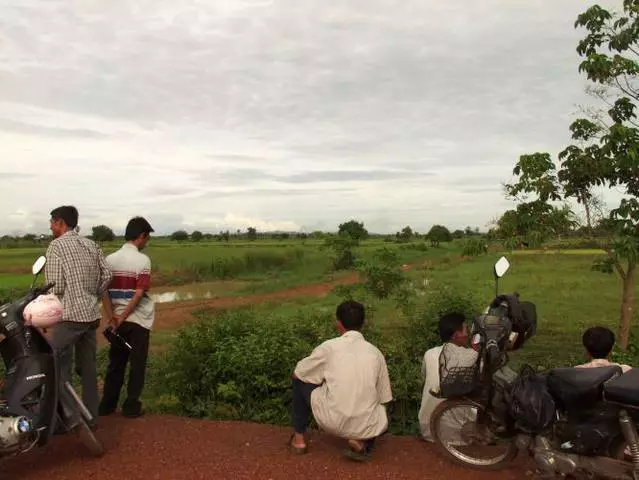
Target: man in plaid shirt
(81, 275)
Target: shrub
(342, 246)
(383, 276)
(475, 246)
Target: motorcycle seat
(624, 389)
(579, 386)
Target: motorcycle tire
(82, 429)
(498, 463)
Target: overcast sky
(289, 114)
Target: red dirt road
(164, 447)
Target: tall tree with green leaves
(605, 151)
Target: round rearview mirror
(38, 265)
(501, 267)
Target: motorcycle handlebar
(45, 288)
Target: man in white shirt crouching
(344, 383)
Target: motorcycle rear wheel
(499, 462)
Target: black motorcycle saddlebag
(532, 407)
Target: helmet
(43, 312)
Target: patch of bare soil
(165, 447)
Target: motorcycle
(586, 418)
(35, 404)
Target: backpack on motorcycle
(532, 407)
(522, 314)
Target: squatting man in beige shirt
(344, 383)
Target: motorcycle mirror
(501, 267)
(38, 265)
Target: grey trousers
(68, 337)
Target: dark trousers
(301, 416)
(138, 337)
(79, 338)
(301, 405)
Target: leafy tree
(457, 234)
(180, 235)
(102, 233)
(353, 229)
(606, 148)
(251, 233)
(438, 234)
(224, 236)
(405, 235)
(196, 236)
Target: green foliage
(342, 246)
(511, 243)
(353, 229)
(405, 235)
(438, 234)
(180, 235)
(383, 275)
(475, 246)
(196, 236)
(251, 233)
(536, 216)
(239, 366)
(536, 174)
(253, 261)
(102, 233)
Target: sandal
(357, 451)
(296, 450)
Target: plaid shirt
(81, 275)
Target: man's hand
(116, 321)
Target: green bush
(474, 246)
(383, 275)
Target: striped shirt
(131, 271)
(81, 275)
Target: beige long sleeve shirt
(354, 383)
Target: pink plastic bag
(44, 311)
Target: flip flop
(296, 450)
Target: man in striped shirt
(81, 275)
(131, 312)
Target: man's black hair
(351, 314)
(67, 213)
(449, 324)
(136, 227)
(598, 341)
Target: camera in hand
(115, 338)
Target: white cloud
(228, 113)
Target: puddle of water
(167, 297)
(195, 291)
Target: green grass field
(267, 264)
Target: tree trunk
(627, 304)
(588, 220)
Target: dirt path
(163, 447)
